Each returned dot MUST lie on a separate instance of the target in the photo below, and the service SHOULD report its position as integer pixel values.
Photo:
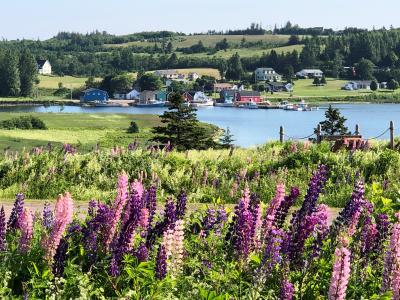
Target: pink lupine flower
(174, 247)
(234, 189)
(391, 275)
(25, 223)
(341, 272)
(138, 187)
(273, 208)
(62, 217)
(144, 218)
(118, 206)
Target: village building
(193, 76)
(248, 96)
(310, 73)
(44, 67)
(279, 87)
(267, 74)
(127, 95)
(94, 95)
(218, 87)
(357, 85)
(169, 74)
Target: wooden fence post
(281, 133)
(231, 151)
(357, 132)
(319, 133)
(391, 129)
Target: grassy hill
(51, 82)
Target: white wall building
(44, 67)
(267, 74)
(310, 73)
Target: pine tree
(182, 129)
(316, 81)
(374, 85)
(234, 69)
(28, 73)
(9, 75)
(334, 123)
(227, 139)
(323, 80)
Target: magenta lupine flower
(273, 208)
(25, 223)
(63, 216)
(138, 187)
(144, 218)
(16, 212)
(287, 290)
(341, 272)
(2, 229)
(391, 275)
(161, 263)
(118, 206)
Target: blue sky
(44, 18)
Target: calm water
(254, 127)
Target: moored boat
(151, 103)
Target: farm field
(210, 40)
(85, 130)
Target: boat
(267, 105)
(248, 105)
(224, 104)
(202, 103)
(284, 104)
(151, 103)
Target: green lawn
(51, 82)
(305, 89)
(85, 130)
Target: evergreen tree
(374, 85)
(182, 129)
(169, 48)
(334, 123)
(323, 80)
(28, 73)
(9, 75)
(393, 85)
(227, 139)
(316, 81)
(234, 68)
(364, 69)
(149, 82)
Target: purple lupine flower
(2, 229)
(369, 233)
(256, 212)
(114, 267)
(383, 228)
(209, 220)
(118, 206)
(142, 253)
(48, 220)
(216, 183)
(273, 209)
(321, 229)
(181, 205)
(161, 263)
(391, 274)
(170, 212)
(272, 254)
(16, 212)
(92, 208)
(243, 220)
(133, 146)
(133, 206)
(287, 290)
(283, 209)
(69, 149)
(151, 202)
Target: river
(255, 127)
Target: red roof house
(248, 96)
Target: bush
(133, 128)
(23, 122)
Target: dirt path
(80, 208)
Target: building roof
(310, 71)
(222, 85)
(41, 62)
(265, 69)
(276, 84)
(249, 93)
(93, 89)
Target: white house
(169, 74)
(310, 73)
(44, 66)
(267, 74)
(127, 95)
(357, 85)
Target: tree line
(18, 73)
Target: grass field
(210, 40)
(85, 130)
(51, 82)
(305, 89)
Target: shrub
(23, 122)
(133, 128)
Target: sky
(42, 19)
